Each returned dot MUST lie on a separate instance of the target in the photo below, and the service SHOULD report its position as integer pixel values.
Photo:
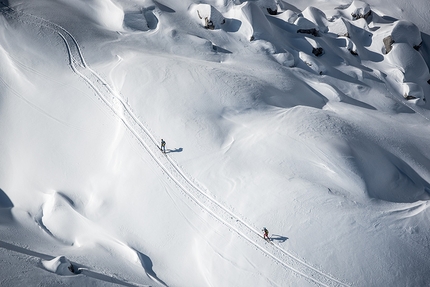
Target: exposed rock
(311, 31)
(208, 23)
(272, 12)
(306, 26)
(318, 51)
(359, 16)
(409, 97)
(359, 9)
(209, 17)
(412, 91)
(417, 47)
(388, 44)
(317, 17)
(60, 265)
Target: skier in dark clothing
(163, 146)
(266, 233)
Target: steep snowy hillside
(309, 118)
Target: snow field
(324, 151)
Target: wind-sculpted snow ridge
(188, 187)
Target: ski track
(189, 188)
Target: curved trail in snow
(188, 186)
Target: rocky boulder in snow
(318, 51)
(409, 62)
(59, 265)
(359, 9)
(403, 32)
(288, 16)
(412, 91)
(388, 44)
(317, 17)
(406, 32)
(305, 26)
(269, 5)
(209, 17)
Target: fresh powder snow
(308, 118)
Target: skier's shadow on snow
(278, 238)
(174, 150)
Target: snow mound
(107, 13)
(59, 265)
(358, 9)
(207, 16)
(288, 16)
(349, 45)
(412, 91)
(338, 27)
(313, 63)
(285, 59)
(396, 181)
(143, 20)
(317, 17)
(104, 12)
(256, 22)
(408, 61)
(305, 24)
(406, 32)
(267, 4)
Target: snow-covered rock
(59, 265)
(305, 26)
(412, 91)
(339, 27)
(256, 21)
(358, 10)
(313, 63)
(317, 17)
(285, 59)
(207, 15)
(288, 16)
(408, 61)
(406, 32)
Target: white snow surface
(330, 153)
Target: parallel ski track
(188, 186)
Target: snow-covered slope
(309, 118)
